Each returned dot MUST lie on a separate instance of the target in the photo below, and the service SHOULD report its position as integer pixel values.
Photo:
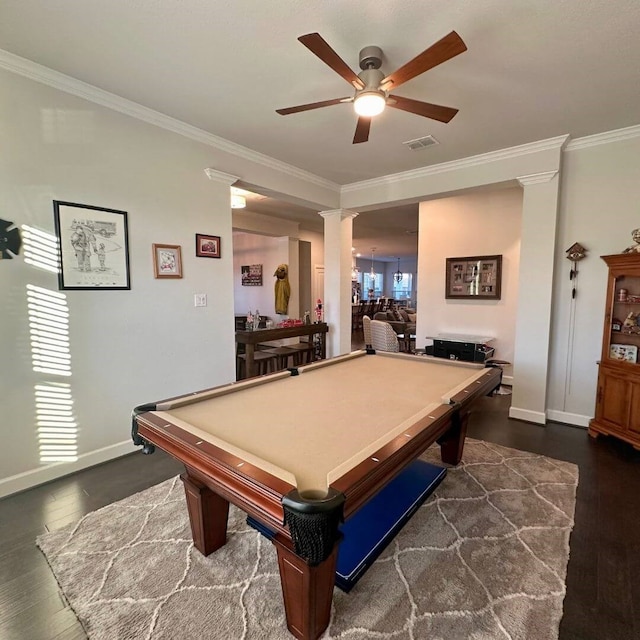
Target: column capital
(537, 178)
(220, 176)
(343, 214)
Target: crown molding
(220, 176)
(604, 138)
(537, 178)
(44, 75)
(472, 161)
(343, 214)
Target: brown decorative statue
(635, 235)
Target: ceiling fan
(372, 86)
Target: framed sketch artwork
(93, 250)
(478, 277)
(167, 261)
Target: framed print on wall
(93, 246)
(167, 261)
(477, 277)
(251, 275)
(207, 246)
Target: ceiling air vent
(421, 143)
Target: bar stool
(305, 352)
(282, 355)
(265, 363)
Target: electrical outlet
(200, 300)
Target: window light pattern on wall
(57, 429)
(49, 331)
(48, 315)
(50, 355)
(40, 248)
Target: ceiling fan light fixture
(369, 103)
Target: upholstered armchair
(383, 337)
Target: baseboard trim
(574, 419)
(34, 477)
(527, 416)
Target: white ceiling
(533, 70)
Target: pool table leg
(208, 514)
(307, 591)
(452, 442)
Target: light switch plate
(200, 300)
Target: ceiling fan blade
(318, 46)
(312, 105)
(445, 49)
(362, 130)
(426, 109)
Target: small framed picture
(167, 261)
(207, 246)
(626, 352)
(251, 275)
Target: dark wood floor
(603, 584)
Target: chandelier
(372, 275)
(398, 275)
(355, 272)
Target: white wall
(270, 242)
(599, 209)
(127, 347)
(481, 223)
(317, 248)
(249, 248)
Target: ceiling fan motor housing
(370, 58)
(371, 78)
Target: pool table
(301, 450)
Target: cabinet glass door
(625, 317)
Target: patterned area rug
(484, 558)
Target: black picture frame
(93, 247)
(251, 275)
(473, 277)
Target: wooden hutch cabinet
(618, 398)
